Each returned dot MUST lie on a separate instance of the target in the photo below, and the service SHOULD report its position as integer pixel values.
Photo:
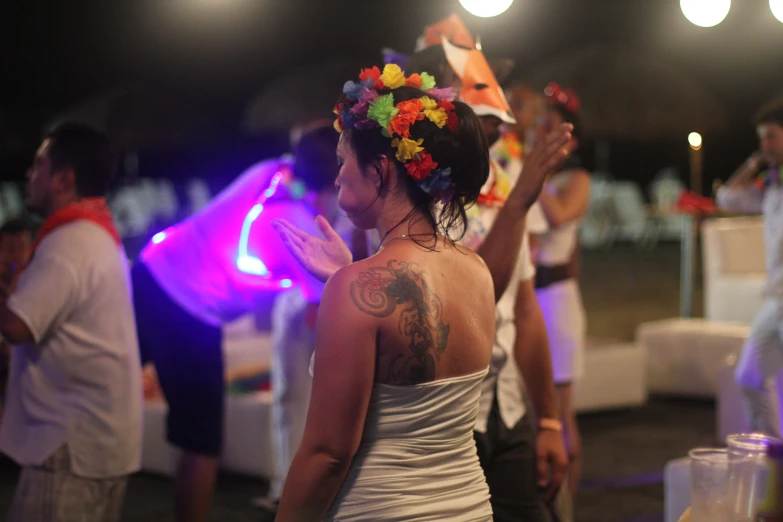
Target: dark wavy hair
(465, 152)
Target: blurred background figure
(16, 241)
(564, 202)
(757, 185)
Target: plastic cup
(709, 485)
(747, 458)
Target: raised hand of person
(321, 257)
(545, 157)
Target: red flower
(452, 121)
(409, 112)
(419, 169)
(446, 105)
(373, 73)
(414, 80)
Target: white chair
(734, 269)
(665, 191)
(13, 201)
(634, 222)
(167, 202)
(130, 212)
(198, 195)
(598, 226)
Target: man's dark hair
(14, 227)
(315, 158)
(772, 112)
(88, 152)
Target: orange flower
(409, 113)
(401, 125)
(414, 80)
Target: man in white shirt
(214, 267)
(517, 458)
(762, 355)
(73, 416)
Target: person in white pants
(293, 343)
(748, 191)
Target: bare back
(435, 311)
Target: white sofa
(685, 356)
(734, 269)
(614, 377)
(247, 444)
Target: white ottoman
(247, 445)
(685, 356)
(677, 488)
(614, 377)
(247, 439)
(158, 456)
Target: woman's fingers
(288, 235)
(326, 229)
(292, 230)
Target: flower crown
(556, 95)
(364, 108)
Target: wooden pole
(696, 170)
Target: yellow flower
(392, 76)
(437, 116)
(407, 149)
(428, 102)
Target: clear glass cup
(747, 456)
(710, 485)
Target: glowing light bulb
(776, 6)
(486, 8)
(694, 139)
(705, 13)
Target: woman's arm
(571, 203)
(342, 386)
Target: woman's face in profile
(356, 192)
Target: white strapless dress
(417, 460)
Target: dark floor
(624, 451)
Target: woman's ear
(388, 174)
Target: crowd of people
(428, 335)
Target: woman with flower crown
(564, 202)
(404, 338)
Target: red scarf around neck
(89, 209)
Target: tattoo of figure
(380, 291)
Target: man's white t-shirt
(504, 376)
(196, 261)
(80, 382)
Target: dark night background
(209, 57)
